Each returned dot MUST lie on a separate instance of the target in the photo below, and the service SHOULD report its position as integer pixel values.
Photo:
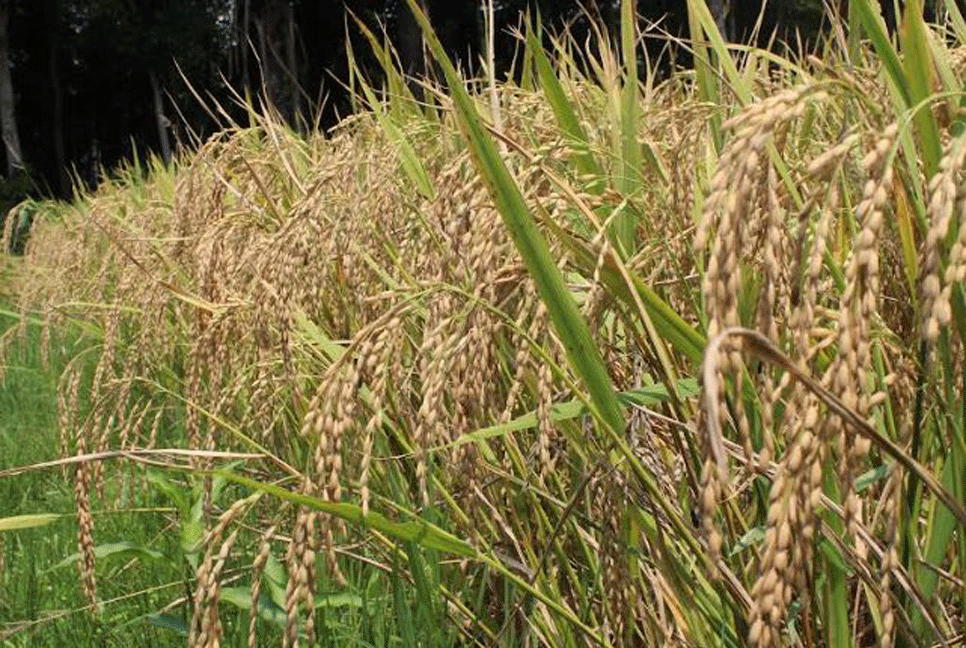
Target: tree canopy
(95, 82)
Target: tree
(8, 120)
(408, 39)
(275, 29)
(52, 18)
(719, 13)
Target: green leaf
(192, 531)
(671, 326)
(939, 534)
(624, 228)
(28, 521)
(241, 597)
(907, 238)
(702, 21)
(411, 165)
(418, 531)
(754, 535)
(168, 622)
(124, 549)
(277, 580)
(870, 477)
(645, 397)
(875, 28)
(563, 110)
(919, 73)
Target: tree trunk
(233, 52)
(160, 119)
(244, 42)
(293, 70)
(52, 18)
(8, 119)
(271, 38)
(717, 9)
(409, 44)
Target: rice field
(594, 358)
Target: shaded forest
(86, 84)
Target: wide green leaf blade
(917, 64)
(27, 521)
(418, 531)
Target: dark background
(95, 82)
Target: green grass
(143, 568)
(41, 603)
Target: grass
(40, 603)
(590, 359)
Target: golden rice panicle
(857, 309)
(774, 588)
(208, 630)
(115, 397)
(436, 353)
(732, 183)
(791, 524)
(546, 433)
(892, 508)
(941, 314)
(45, 333)
(735, 192)
(330, 417)
(797, 489)
(337, 426)
(546, 437)
(822, 171)
(258, 570)
(947, 197)
(152, 440)
(801, 419)
(205, 631)
(794, 497)
(773, 291)
(375, 354)
(6, 341)
(617, 583)
(524, 329)
(68, 407)
(195, 392)
(85, 529)
(6, 238)
(743, 185)
(714, 477)
(104, 375)
(300, 590)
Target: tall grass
(589, 360)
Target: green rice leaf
(124, 549)
(28, 521)
(418, 530)
(408, 159)
(919, 74)
(624, 228)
